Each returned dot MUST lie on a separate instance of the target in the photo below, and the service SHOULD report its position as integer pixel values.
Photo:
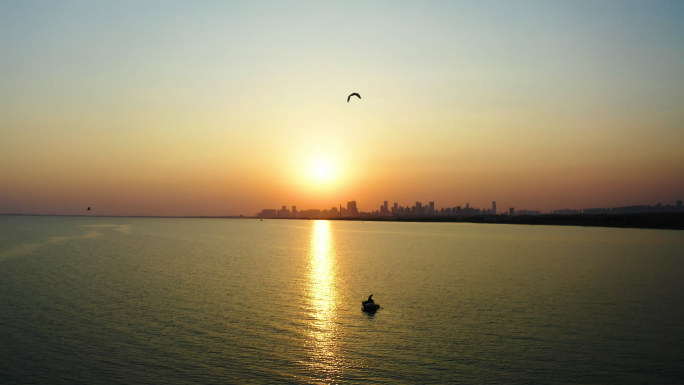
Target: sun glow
(320, 166)
(322, 169)
(319, 170)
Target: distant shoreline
(663, 221)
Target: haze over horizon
(226, 108)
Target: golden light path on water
(323, 302)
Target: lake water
(227, 301)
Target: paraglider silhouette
(353, 94)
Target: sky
(227, 108)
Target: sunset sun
(319, 164)
(322, 170)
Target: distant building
(384, 209)
(595, 211)
(268, 213)
(311, 214)
(283, 212)
(417, 209)
(351, 209)
(565, 212)
(511, 211)
(493, 207)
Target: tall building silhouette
(283, 212)
(351, 208)
(417, 209)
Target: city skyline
(216, 108)
(418, 210)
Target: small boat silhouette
(369, 306)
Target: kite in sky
(353, 94)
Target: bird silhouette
(88, 208)
(353, 94)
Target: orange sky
(226, 109)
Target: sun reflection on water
(323, 335)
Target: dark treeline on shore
(673, 221)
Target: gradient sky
(223, 108)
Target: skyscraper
(493, 207)
(351, 208)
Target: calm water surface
(222, 301)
